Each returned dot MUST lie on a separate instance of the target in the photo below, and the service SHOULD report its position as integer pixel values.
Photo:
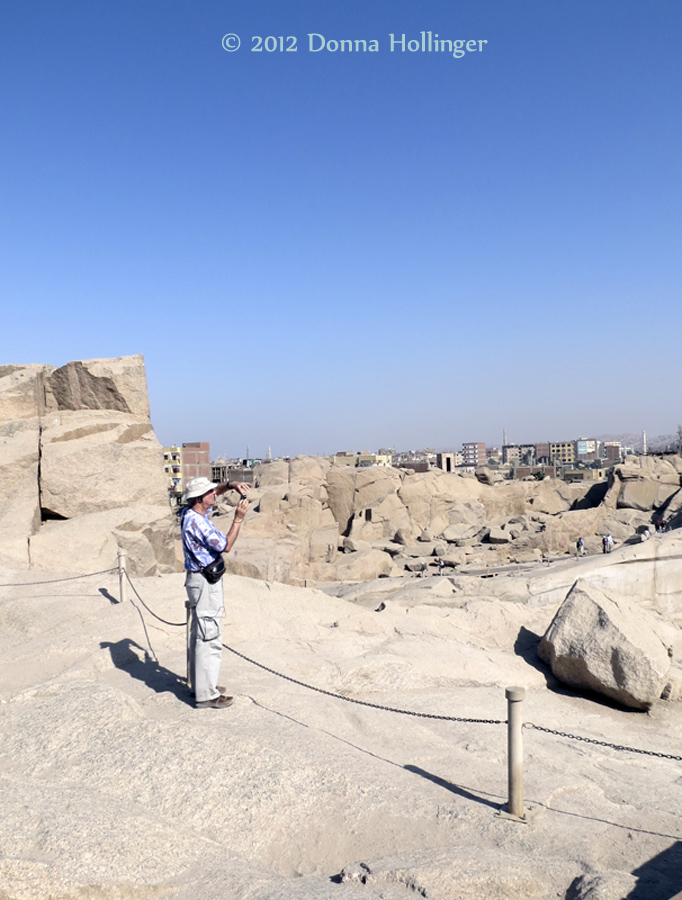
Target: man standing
(203, 545)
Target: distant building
(519, 454)
(562, 452)
(613, 451)
(542, 453)
(586, 450)
(585, 474)
(448, 461)
(416, 466)
(196, 461)
(524, 471)
(172, 466)
(224, 470)
(511, 453)
(362, 459)
(473, 454)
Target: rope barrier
(59, 580)
(586, 740)
(151, 612)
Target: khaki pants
(206, 635)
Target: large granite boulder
(75, 441)
(310, 470)
(276, 472)
(430, 496)
(101, 459)
(108, 384)
(19, 490)
(375, 483)
(22, 391)
(486, 475)
(351, 491)
(382, 519)
(607, 644)
(341, 493)
(21, 403)
(643, 483)
(645, 494)
(98, 448)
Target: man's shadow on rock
(136, 661)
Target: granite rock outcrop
(298, 506)
(76, 443)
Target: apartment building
(562, 452)
(196, 460)
(473, 454)
(172, 466)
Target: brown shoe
(218, 687)
(221, 702)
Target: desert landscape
(315, 784)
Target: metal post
(122, 576)
(515, 697)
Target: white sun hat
(197, 487)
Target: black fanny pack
(214, 571)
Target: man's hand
(242, 509)
(240, 486)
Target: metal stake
(122, 576)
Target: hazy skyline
(332, 249)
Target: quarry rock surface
(306, 795)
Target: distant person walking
(580, 546)
(203, 547)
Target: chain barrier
(151, 612)
(409, 712)
(59, 580)
(310, 687)
(403, 712)
(586, 740)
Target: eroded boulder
(607, 644)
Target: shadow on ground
(661, 877)
(453, 788)
(658, 879)
(130, 657)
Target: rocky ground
(115, 787)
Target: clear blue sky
(319, 251)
